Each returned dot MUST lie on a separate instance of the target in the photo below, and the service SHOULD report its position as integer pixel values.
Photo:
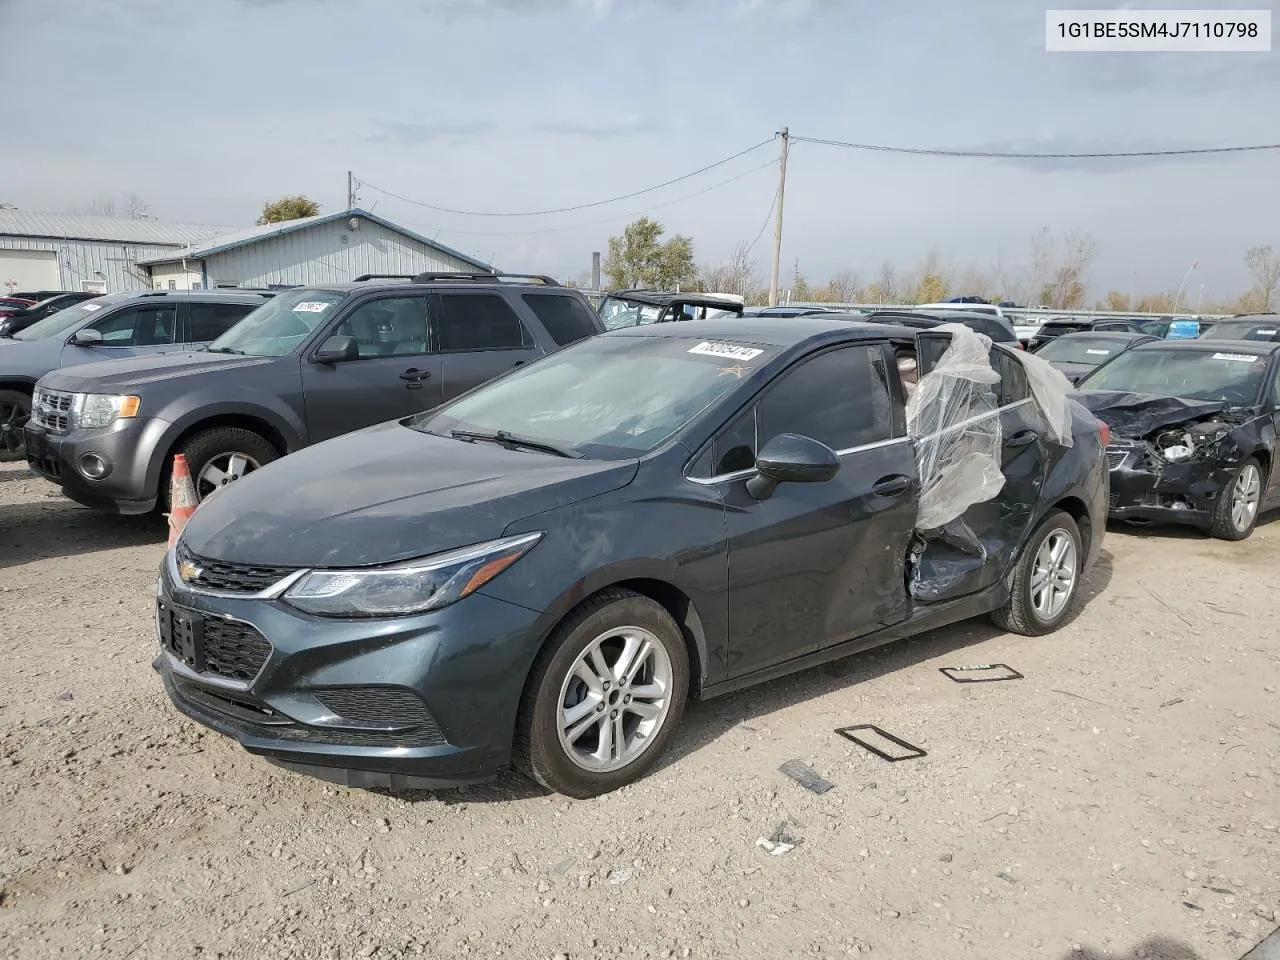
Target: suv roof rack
(383, 276)
(485, 277)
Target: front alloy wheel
(1236, 513)
(605, 696)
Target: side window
(139, 326)
(1275, 392)
(393, 326)
(1013, 378)
(211, 320)
(480, 321)
(564, 316)
(839, 398)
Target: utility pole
(777, 220)
(351, 191)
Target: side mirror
(791, 458)
(87, 338)
(338, 350)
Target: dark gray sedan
(1075, 355)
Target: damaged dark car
(545, 570)
(1193, 433)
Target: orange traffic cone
(182, 498)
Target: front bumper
(129, 446)
(1147, 489)
(418, 702)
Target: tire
(1021, 614)
(1227, 524)
(214, 447)
(541, 752)
(15, 411)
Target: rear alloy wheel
(1045, 580)
(15, 411)
(1236, 513)
(606, 695)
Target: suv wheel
(221, 455)
(605, 697)
(15, 411)
(1236, 513)
(1046, 579)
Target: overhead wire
(581, 206)
(1006, 155)
(612, 219)
(767, 217)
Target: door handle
(892, 486)
(1021, 439)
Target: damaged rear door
(973, 551)
(816, 563)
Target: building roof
(230, 240)
(72, 226)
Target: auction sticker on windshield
(311, 306)
(1099, 353)
(1238, 357)
(728, 351)
(90, 307)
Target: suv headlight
(96, 410)
(414, 586)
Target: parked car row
(535, 531)
(16, 320)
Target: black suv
(1061, 326)
(313, 363)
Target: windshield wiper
(513, 442)
(239, 353)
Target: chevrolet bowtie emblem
(189, 571)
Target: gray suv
(106, 328)
(311, 364)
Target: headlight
(96, 410)
(411, 587)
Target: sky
(209, 109)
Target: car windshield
(1080, 348)
(616, 312)
(1233, 330)
(1191, 374)
(64, 321)
(609, 398)
(280, 324)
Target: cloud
(417, 134)
(604, 130)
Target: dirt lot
(1118, 801)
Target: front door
(396, 375)
(817, 563)
(148, 327)
(480, 337)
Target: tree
(1117, 302)
(636, 258)
(130, 206)
(1264, 268)
(843, 287)
(929, 283)
(736, 275)
(288, 208)
(801, 292)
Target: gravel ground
(1120, 801)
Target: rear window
(566, 318)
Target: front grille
(1115, 458)
(391, 708)
(51, 409)
(1113, 501)
(45, 466)
(212, 645)
(255, 720)
(230, 577)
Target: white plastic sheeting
(1050, 390)
(954, 418)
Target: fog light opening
(95, 466)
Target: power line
(580, 206)
(612, 219)
(767, 217)
(995, 154)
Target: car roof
(1259, 348)
(784, 332)
(1107, 335)
(1251, 320)
(663, 298)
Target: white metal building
(329, 248)
(53, 251)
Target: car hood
(1138, 414)
(126, 373)
(387, 493)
